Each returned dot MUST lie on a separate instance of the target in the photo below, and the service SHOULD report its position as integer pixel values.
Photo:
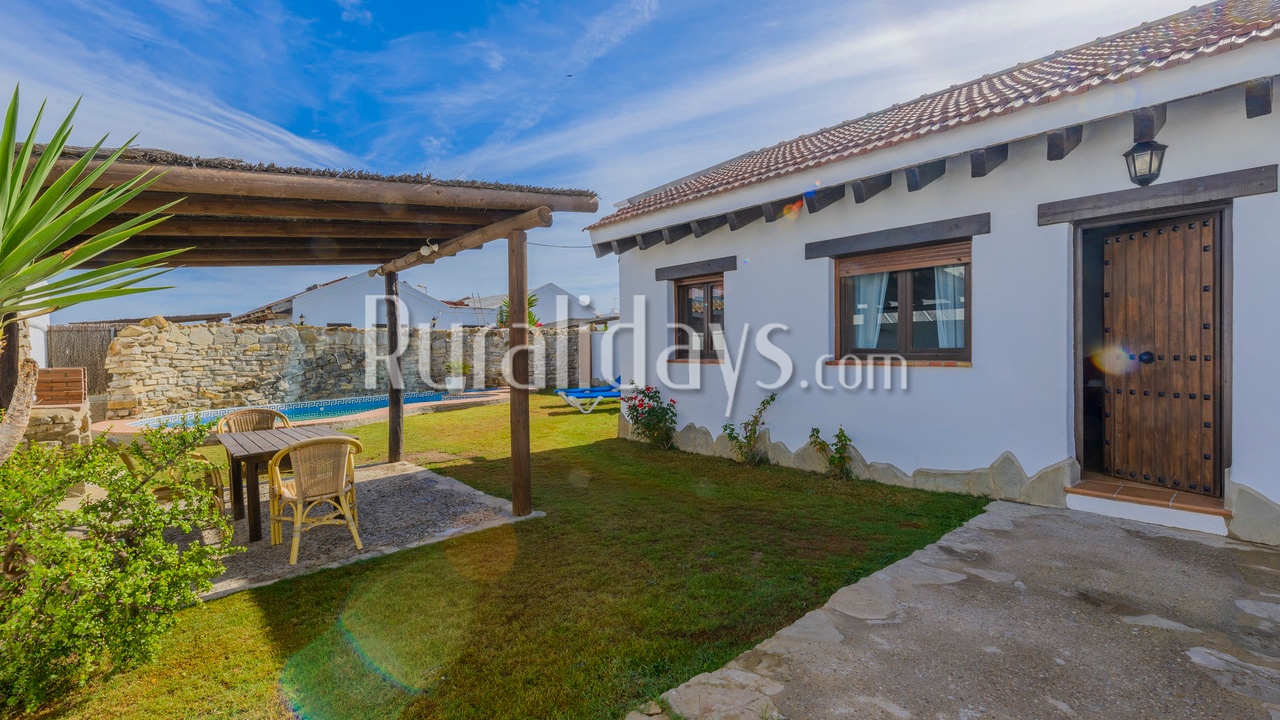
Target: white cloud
(122, 96)
(355, 11)
(810, 72)
(601, 34)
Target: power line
(557, 246)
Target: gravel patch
(401, 506)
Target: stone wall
(62, 425)
(1004, 479)
(53, 425)
(158, 368)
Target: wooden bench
(62, 387)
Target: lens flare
(792, 210)
(1114, 360)
(397, 638)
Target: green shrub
(746, 445)
(454, 368)
(835, 452)
(90, 590)
(652, 419)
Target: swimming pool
(310, 410)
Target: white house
(343, 302)
(38, 336)
(556, 306)
(1079, 333)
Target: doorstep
(1100, 486)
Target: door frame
(1225, 287)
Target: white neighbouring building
(1073, 338)
(345, 302)
(556, 307)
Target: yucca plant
(42, 217)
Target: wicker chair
(164, 493)
(324, 471)
(251, 419)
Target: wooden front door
(1161, 332)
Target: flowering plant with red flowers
(652, 419)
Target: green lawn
(649, 568)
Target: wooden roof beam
(1148, 121)
(921, 175)
(278, 208)
(649, 239)
(776, 210)
(233, 245)
(208, 181)
(982, 162)
(622, 245)
(818, 200)
(198, 258)
(675, 233)
(207, 227)
(538, 217)
(1257, 98)
(867, 188)
(1062, 142)
(739, 219)
(705, 225)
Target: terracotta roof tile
(1203, 30)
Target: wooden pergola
(237, 215)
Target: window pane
(938, 307)
(717, 319)
(692, 313)
(871, 304)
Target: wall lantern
(1145, 160)
(302, 319)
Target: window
(700, 318)
(872, 291)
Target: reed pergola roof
(240, 214)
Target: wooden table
(249, 453)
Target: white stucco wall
(1018, 394)
(38, 336)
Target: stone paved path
(401, 506)
(1026, 613)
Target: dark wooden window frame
(695, 269)
(708, 353)
(907, 319)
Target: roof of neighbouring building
(546, 289)
(257, 313)
(1181, 38)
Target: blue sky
(612, 95)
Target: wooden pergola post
(514, 230)
(395, 372)
(517, 343)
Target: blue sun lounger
(585, 400)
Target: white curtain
(948, 283)
(869, 291)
